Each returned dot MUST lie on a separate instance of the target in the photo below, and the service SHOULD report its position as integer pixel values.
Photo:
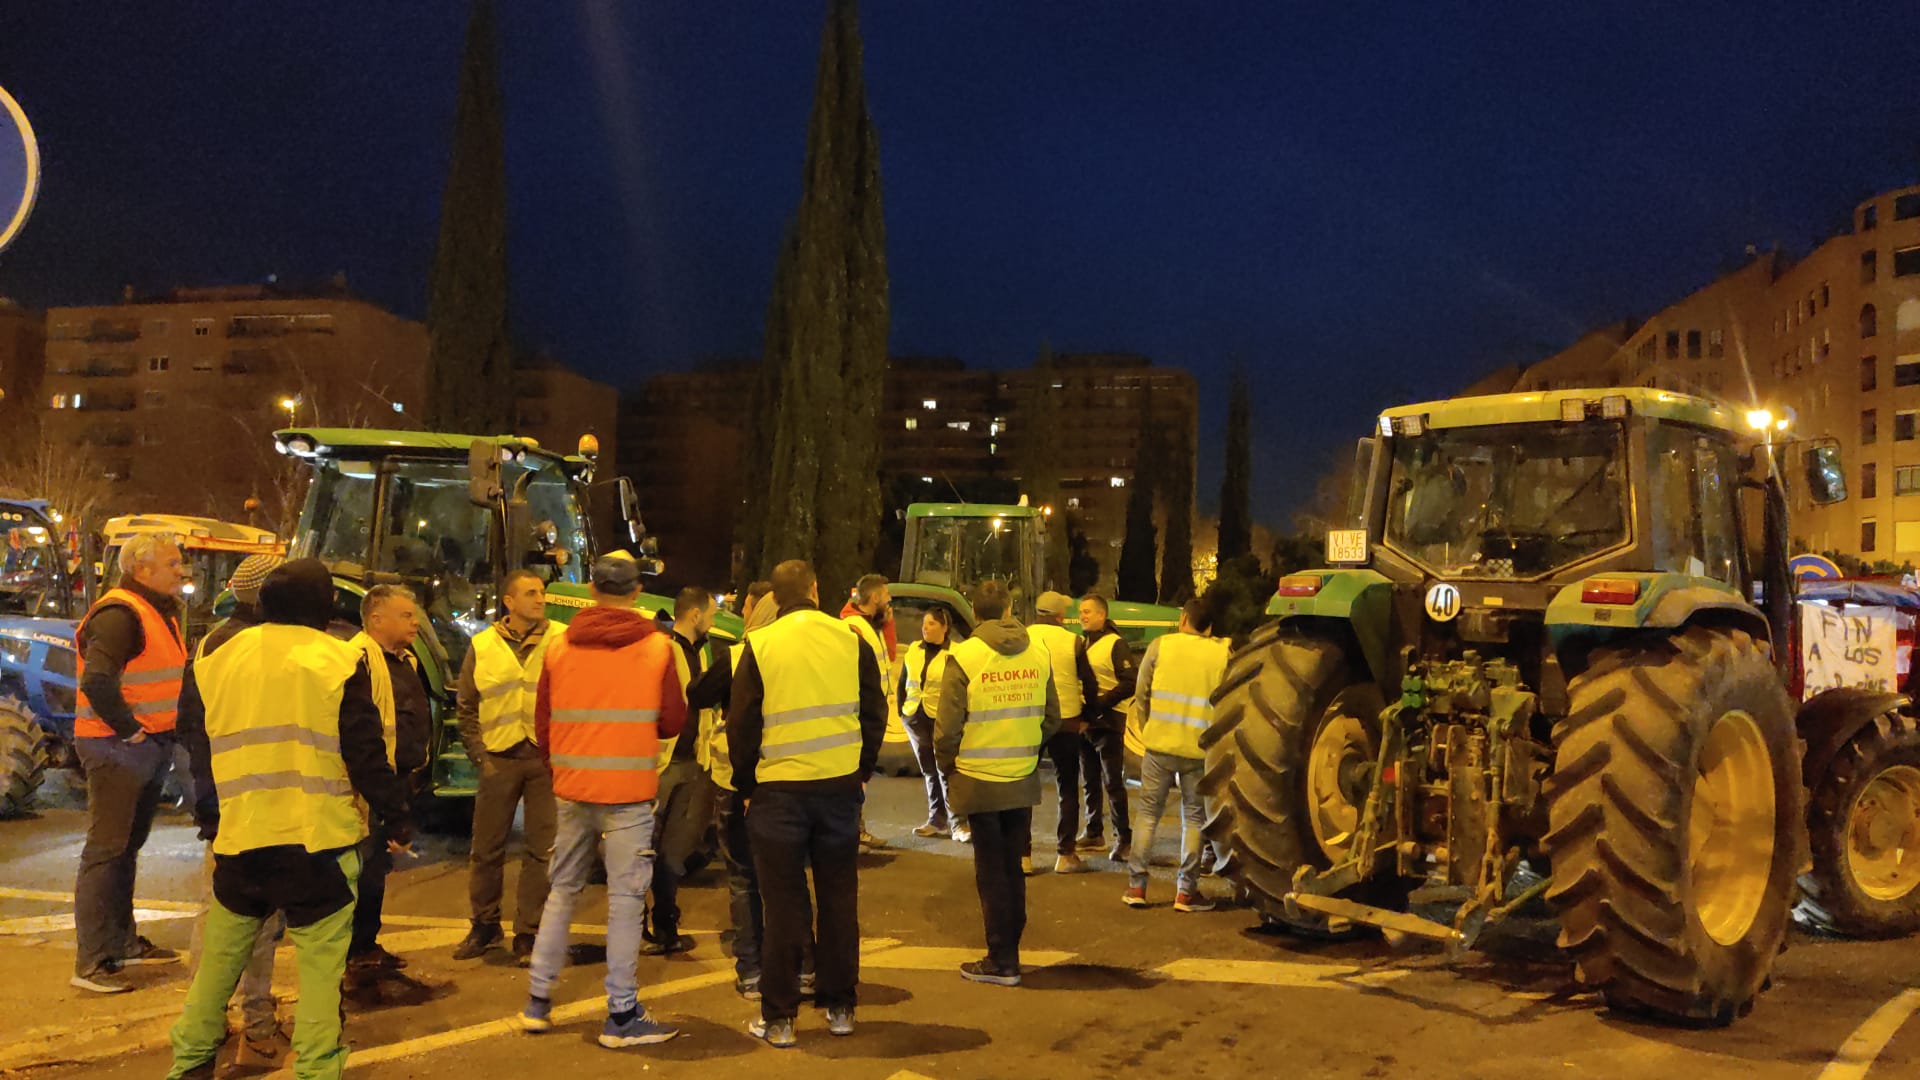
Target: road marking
(67, 898)
(720, 972)
(932, 958)
(1276, 973)
(52, 924)
(1858, 1053)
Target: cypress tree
(750, 531)
(1140, 546)
(824, 491)
(1236, 517)
(1176, 490)
(471, 357)
(1039, 465)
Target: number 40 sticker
(1443, 602)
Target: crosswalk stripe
(1276, 973)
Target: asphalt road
(1110, 991)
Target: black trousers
(998, 838)
(1064, 750)
(375, 862)
(790, 830)
(1104, 759)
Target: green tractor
(448, 516)
(1549, 664)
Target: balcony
(249, 362)
(112, 436)
(110, 330)
(104, 402)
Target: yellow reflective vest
(719, 759)
(809, 666)
(507, 688)
(1186, 671)
(1100, 656)
(923, 680)
(703, 723)
(1006, 707)
(1063, 646)
(273, 697)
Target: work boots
(482, 937)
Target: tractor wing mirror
(483, 474)
(613, 508)
(1826, 473)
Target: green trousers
(321, 951)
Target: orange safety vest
(150, 681)
(603, 711)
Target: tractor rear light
(1390, 773)
(1298, 585)
(1573, 410)
(1613, 407)
(1610, 591)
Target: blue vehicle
(40, 606)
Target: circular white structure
(19, 169)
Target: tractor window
(558, 530)
(1692, 484)
(1512, 500)
(30, 581)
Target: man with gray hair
(131, 659)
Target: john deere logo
(19, 168)
(1443, 602)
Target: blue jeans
(627, 829)
(1158, 774)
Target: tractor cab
(953, 547)
(35, 580)
(213, 549)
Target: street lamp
(290, 404)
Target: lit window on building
(913, 423)
(926, 479)
(1073, 502)
(929, 403)
(960, 425)
(1118, 481)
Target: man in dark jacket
(263, 1044)
(998, 707)
(684, 807)
(1110, 667)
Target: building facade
(945, 430)
(177, 398)
(556, 406)
(23, 343)
(1833, 337)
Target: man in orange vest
(608, 694)
(131, 658)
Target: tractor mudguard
(1830, 719)
(1664, 601)
(1360, 598)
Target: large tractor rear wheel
(1288, 760)
(1677, 824)
(1864, 823)
(23, 759)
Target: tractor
(46, 588)
(448, 516)
(1547, 663)
(951, 547)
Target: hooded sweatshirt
(965, 794)
(601, 627)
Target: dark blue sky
(1363, 205)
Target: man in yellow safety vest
(1174, 702)
(499, 681)
(997, 709)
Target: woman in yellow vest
(1173, 699)
(998, 707)
(919, 695)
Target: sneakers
(1122, 851)
(146, 952)
(677, 944)
(1135, 896)
(482, 937)
(929, 831)
(777, 1033)
(983, 971)
(963, 834)
(268, 1053)
(105, 979)
(523, 949)
(869, 842)
(1091, 842)
(537, 1016)
(1191, 902)
(748, 988)
(1070, 864)
(840, 1020)
(638, 1029)
(1026, 865)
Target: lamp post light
(290, 404)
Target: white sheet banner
(1852, 646)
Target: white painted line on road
(1859, 1052)
(931, 958)
(50, 924)
(67, 898)
(720, 972)
(1276, 973)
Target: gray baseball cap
(1053, 603)
(616, 574)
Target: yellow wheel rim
(1341, 755)
(1730, 832)
(1883, 834)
